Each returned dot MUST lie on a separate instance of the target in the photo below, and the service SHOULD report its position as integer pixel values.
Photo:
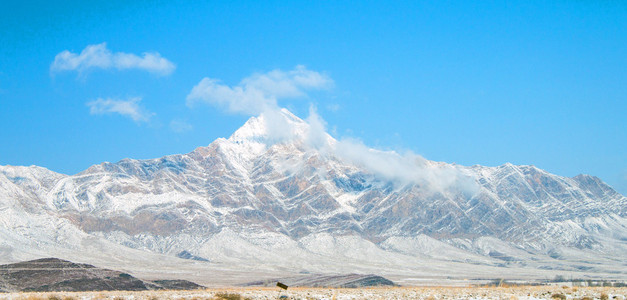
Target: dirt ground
(525, 292)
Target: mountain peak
(271, 126)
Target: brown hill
(53, 274)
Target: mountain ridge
(308, 196)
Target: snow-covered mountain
(282, 195)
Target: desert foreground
(518, 292)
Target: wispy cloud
(334, 107)
(129, 108)
(258, 92)
(180, 126)
(99, 57)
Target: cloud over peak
(129, 108)
(99, 57)
(258, 95)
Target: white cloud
(98, 56)
(290, 84)
(180, 126)
(235, 99)
(258, 93)
(407, 168)
(128, 108)
(316, 135)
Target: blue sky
(527, 82)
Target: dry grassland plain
(518, 292)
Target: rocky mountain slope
(303, 201)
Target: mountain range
(283, 197)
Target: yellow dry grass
(513, 292)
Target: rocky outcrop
(328, 281)
(52, 275)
